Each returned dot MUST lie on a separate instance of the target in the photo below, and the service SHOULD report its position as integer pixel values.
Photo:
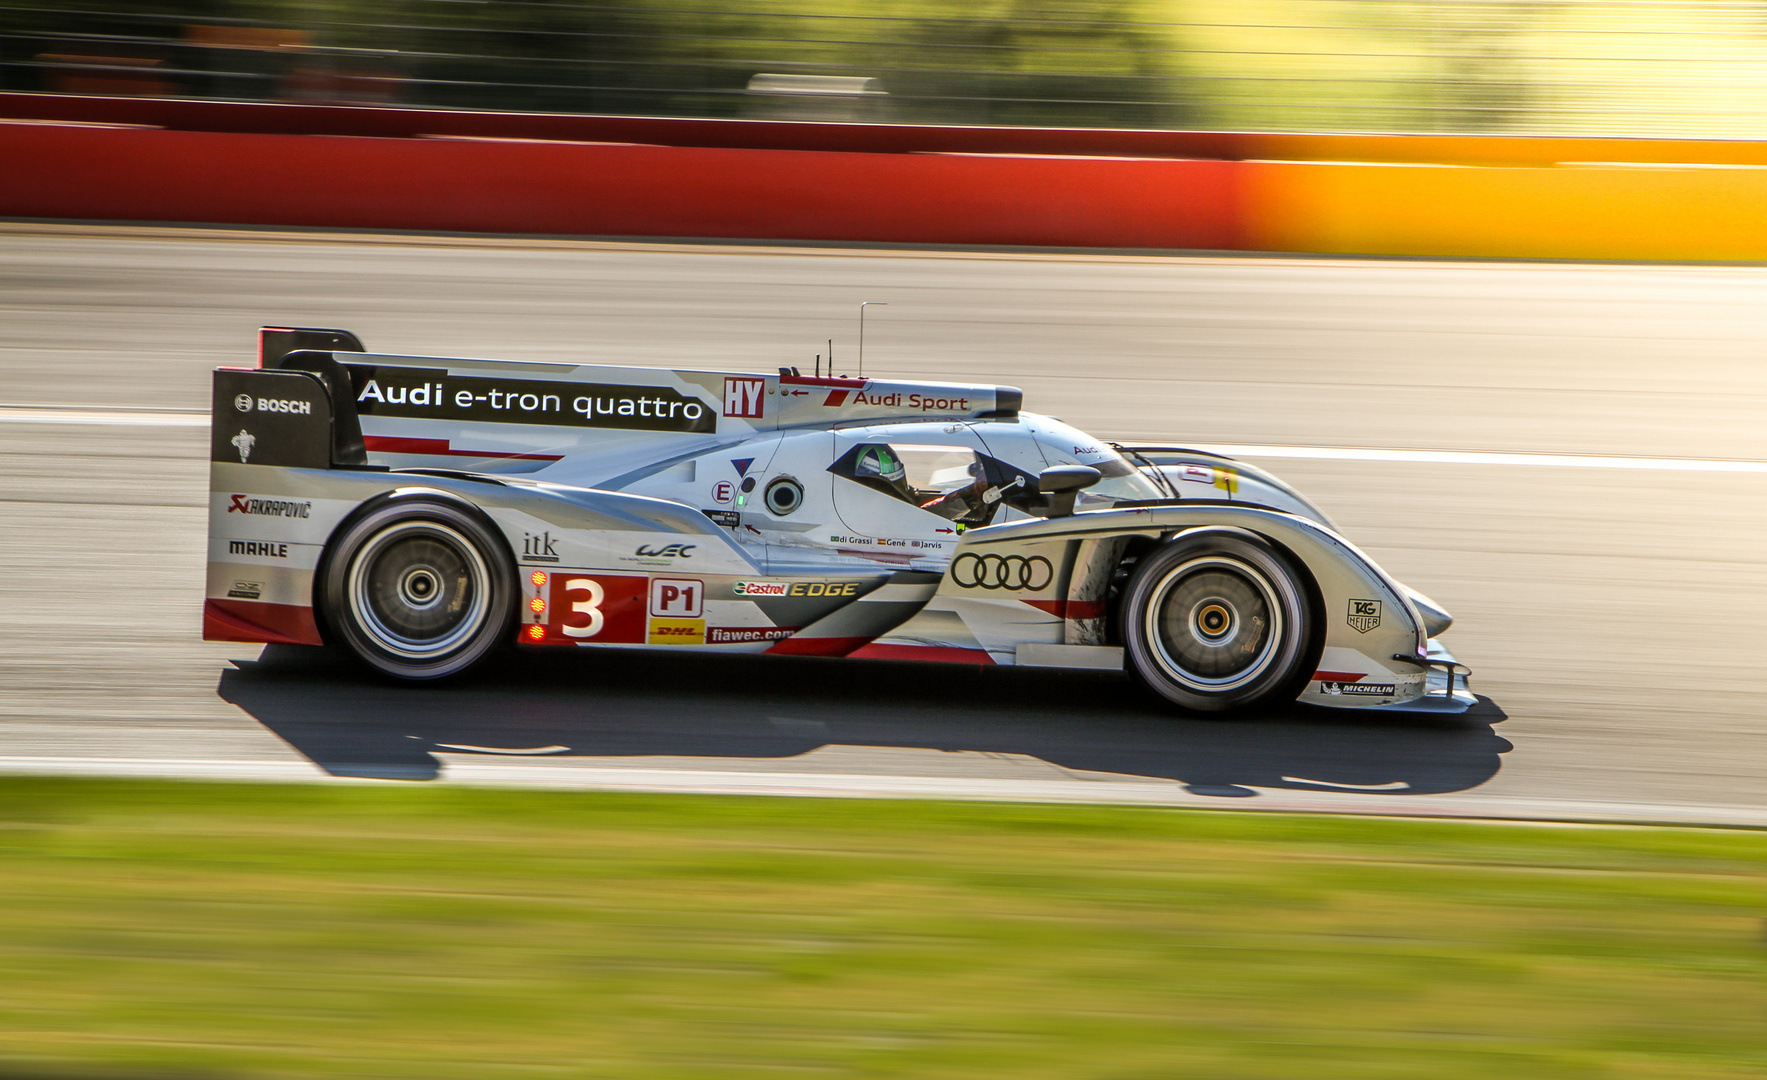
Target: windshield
(1122, 482)
(954, 482)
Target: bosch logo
(243, 403)
(1014, 573)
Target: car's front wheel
(419, 588)
(1218, 620)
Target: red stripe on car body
(256, 620)
(817, 646)
(388, 444)
(944, 654)
(1069, 609)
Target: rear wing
(514, 416)
(286, 418)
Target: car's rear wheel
(1218, 620)
(419, 588)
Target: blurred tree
(1007, 61)
(1046, 62)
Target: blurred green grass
(206, 930)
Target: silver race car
(423, 512)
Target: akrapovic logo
(245, 504)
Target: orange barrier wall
(580, 189)
(1563, 212)
(1493, 196)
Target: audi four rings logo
(1015, 573)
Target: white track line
(1482, 457)
(124, 417)
(56, 414)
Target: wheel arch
(1314, 642)
(322, 571)
(1330, 563)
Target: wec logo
(666, 551)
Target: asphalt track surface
(1570, 457)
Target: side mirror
(1063, 484)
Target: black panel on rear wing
(280, 418)
(347, 446)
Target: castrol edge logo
(796, 588)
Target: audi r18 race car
(420, 513)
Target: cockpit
(973, 481)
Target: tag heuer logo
(1364, 615)
(243, 403)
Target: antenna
(819, 365)
(862, 307)
(831, 356)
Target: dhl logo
(677, 632)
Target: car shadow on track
(631, 704)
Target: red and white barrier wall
(230, 163)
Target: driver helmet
(880, 462)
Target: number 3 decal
(590, 607)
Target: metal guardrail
(1631, 67)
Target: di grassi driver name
(434, 394)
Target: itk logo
(539, 548)
(243, 442)
(742, 397)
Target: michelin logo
(1351, 689)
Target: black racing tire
(1218, 620)
(419, 588)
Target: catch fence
(1596, 67)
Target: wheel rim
(1214, 623)
(419, 590)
